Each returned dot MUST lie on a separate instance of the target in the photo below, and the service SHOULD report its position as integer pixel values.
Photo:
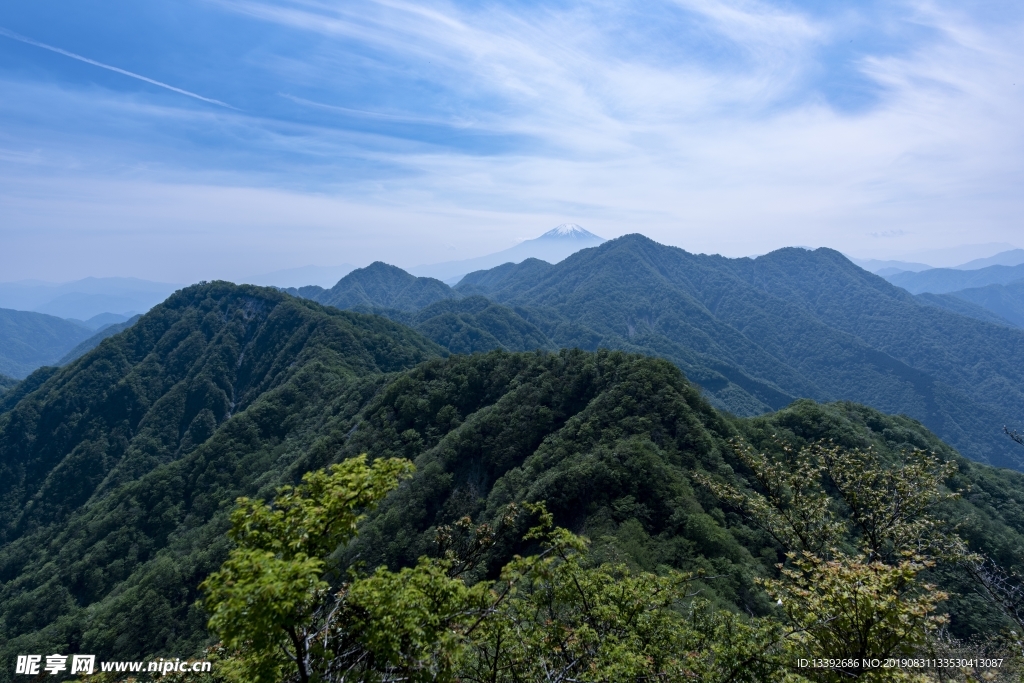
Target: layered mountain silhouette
(944, 280)
(1005, 301)
(755, 334)
(86, 298)
(29, 340)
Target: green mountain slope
(103, 464)
(30, 340)
(757, 333)
(471, 325)
(382, 286)
(125, 463)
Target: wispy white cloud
(704, 124)
(28, 41)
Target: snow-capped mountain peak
(570, 230)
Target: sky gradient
(202, 139)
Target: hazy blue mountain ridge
(1013, 257)
(102, 320)
(29, 340)
(963, 306)
(86, 298)
(945, 280)
(1005, 301)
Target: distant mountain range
(1005, 301)
(987, 289)
(756, 334)
(1014, 257)
(30, 340)
(886, 268)
(945, 280)
(87, 298)
(553, 246)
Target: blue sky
(197, 139)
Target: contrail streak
(14, 36)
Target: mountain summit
(553, 246)
(571, 231)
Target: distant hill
(381, 286)
(886, 268)
(1006, 301)
(759, 333)
(83, 299)
(553, 246)
(30, 340)
(963, 306)
(945, 280)
(1013, 257)
(103, 320)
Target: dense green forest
(383, 286)
(6, 383)
(118, 472)
(29, 340)
(754, 334)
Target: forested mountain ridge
(139, 444)
(162, 387)
(117, 470)
(109, 561)
(470, 325)
(380, 285)
(758, 333)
